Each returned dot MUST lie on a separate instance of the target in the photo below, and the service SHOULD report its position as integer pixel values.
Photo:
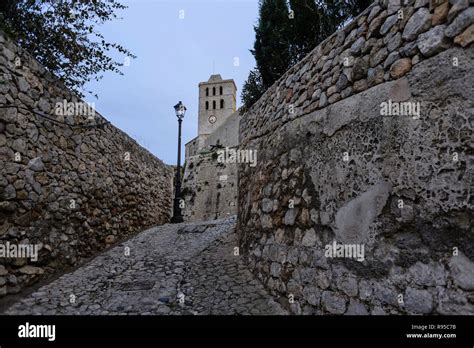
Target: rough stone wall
(210, 186)
(69, 185)
(334, 167)
(191, 147)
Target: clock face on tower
(212, 119)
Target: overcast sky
(174, 55)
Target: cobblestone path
(187, 268)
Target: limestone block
(433, 41)
(461, 22)
(417, 24)
(354, 218)
(333, 303)
(400, 68)
(463, 271)
(418, 301)
(466, 37)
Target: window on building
(214, 104)
(222, 103)
(213, 90)
(207, 92)
(220, 90)
(207, 105)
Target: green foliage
(272, 42)
(62, 36)
(281, 41)
(337, 13)
(306, 28)
(252, 90)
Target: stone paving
(189, 268)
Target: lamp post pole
(180, 109)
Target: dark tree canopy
(272, 28)
(286, 32)
(252, 89)
(305, 28)
(62, 36)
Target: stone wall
(69, 185)
(209, 184)
(361, 199)
(191, 148)
(209, 188)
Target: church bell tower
(217, 101)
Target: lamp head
(180, 110)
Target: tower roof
(217, 78)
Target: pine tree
(272, 41)
(337, 13)
(357, 6)
(282, 40)
(305, 28)
(252, 90)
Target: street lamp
(180, 110)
